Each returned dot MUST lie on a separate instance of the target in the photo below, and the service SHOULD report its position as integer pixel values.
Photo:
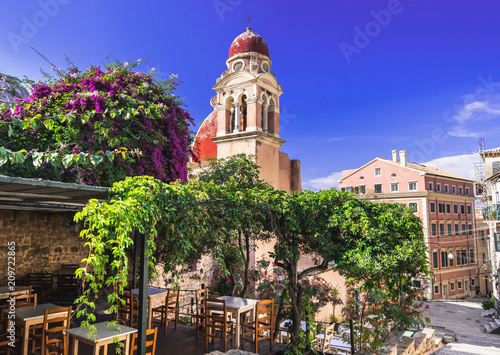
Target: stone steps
(493, 327)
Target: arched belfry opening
(243, 113)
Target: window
(471, 257)
(356, 190)
(452, 286)
(438, 187)
(348, 189)
(470, 228)
(472, 281)
(412, 186)
(441, 207)
(457, 231)
(464, 257)
(413, 207)
(461, 190)
(482, 236)
(450, 259)
(446, 188)
(462, 209)
(431, 186)
(378, 171)
(441, 229)
(484, 258)
(378, 188)
(455, 208)
(434, 259)
(436, 289)
(433, 229)
(463, 229)
(459, 284)
(444, 259)
(433, 207)
(417, 283)
(448, 208)
(496, 166)
(395, 187)
(449, 230)
(453, 189)
(458, 257)
(467, 191)
(362, 189)
(469, 209)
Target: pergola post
(143, 296)
(136, 255)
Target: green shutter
(497, 242)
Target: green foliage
(488, 304)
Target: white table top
(151, 291)
(30, 312)
(339, 344)
(103, 332)
(237, 302)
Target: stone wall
(43, 242)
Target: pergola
(52, 196)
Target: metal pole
(143, 297)
(351, 326)
(136, 255)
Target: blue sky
(360, 78)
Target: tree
(83, 127)
(245, 223)
(374, 245)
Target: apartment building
(443, 201)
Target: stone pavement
(462, 319)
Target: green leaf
(35, 125)
(67, 160)
(11, 131)
(71, 118)
(49, 124)
(16, 122)
(37, 159)
(96, 159)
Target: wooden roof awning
(43, 195)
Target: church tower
(246, 114)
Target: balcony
(491, 213)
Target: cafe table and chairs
(102, 337)
(53, 339)
(30, 316)
(156, 298)
(8, 291)
(238, 306)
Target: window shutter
(497, 242)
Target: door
(445, 291)
(466, 284)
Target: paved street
(463, 319)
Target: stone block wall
(43, 241)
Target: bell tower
(246, 114)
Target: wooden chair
(216, 321)
(201, 299)
(322, 341)
(5, 345)
(149, 343)
(128, 313)
(168, 311)
(262, 327)
(53, 339)
(24, 300)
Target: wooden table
(32, 315)
(5, 292)
(103, 336)
(156, 297)
(237, 306)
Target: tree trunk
(295, 299)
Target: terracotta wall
(43, 241)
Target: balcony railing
(491, 213)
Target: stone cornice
(257, 135)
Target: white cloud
(479, 113)
(325, 183)
(462, 165)
(335, 139)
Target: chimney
(395, 156)
(402, 157)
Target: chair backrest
(150, 343)
(220, 314)
(328, 336)
(54, 326)
(29, 299)
(264, 314)
(23, 288)
(172, 300)
(201, 301)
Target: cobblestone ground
(462, 319)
